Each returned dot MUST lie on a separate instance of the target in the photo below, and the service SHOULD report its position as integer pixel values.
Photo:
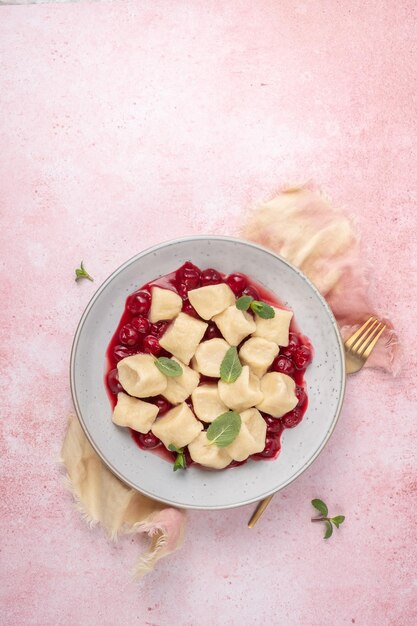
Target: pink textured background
(127, 123)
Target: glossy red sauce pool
(135, 334)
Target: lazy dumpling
(212, 299)
(258, 353)
(179, 388)
(183, 336)
(208, 454)
(207, 403)
(165, 305)
(276, 328)
(245, 392)
(209, 356)
(140, 377)
(134, 413)
(179, 426)
(251, 437)
(234, 325)
(278, 394)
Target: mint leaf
(179, 462)
(224, 429)
(231, 367)
(169, 367)
(81, 272)
(320, 506)
(339, 519)
(262, 309)
(329, 530)
(243, 303)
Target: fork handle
(259, 510)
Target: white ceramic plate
(199, 488)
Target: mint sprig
(180, 462)
(169, 367)
(243, 303)
(264, 310)
(329, 521)
(231, 367)
(224, 429)
(81, 272)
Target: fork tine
(349, 343)
(363, 339)
(370, 346)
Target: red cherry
(188, 308)
(237, 283)
(189, 275)
(147, 441)
(284, 365)
(162, 403)
(139, 302)
(212, 332)
(182, 290)
(274, 425)
(302, 357)
(291, 419)
(301, 395)
(293, 342)
(158, 329)
(121, 352)
(272, 447)
(210, 277)
(128, 335)
(113, 381)
(141, 324)
(151, 344)
(250, 291)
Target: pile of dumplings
(255, 390)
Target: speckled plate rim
(134, 259)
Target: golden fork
(357, 350)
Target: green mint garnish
(262, 309)
(322, 508)
(169, 367)
(81, 272)
(179, 462)
(231, 367)
(224, 429)
(243, 303)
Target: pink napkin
(302, 226)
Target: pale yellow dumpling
(275, 329)
(207, 403)
(209, 356)
(134, 413)
(278, 394)
(251, 437)
(183, 337)
(244, 393)
(258, 353)
(234, 325)
(212, 299)
(140, 377)
(179, 388)
(208, 454)
(166, 305)
(179, 426)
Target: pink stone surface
(126, 123)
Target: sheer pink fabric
(301, 225)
